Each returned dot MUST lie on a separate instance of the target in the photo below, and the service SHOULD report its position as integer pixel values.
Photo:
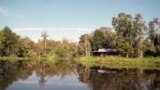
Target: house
(104, 52)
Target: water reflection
(65, 75)
(121, 79)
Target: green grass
(14, 58)
(120, 62)
(50, 58)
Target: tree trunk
(141, 54)
(86, 52)
(127, 55)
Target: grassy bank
(14, 58)
(120, 62)
(48, 58)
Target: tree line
(12, 44)
(130, 36)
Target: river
(67, 75)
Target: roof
(106, 50)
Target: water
(65, 75)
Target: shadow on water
(67, 75)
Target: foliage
(66, 49)
(8, 42)
(103, 38)
(153, 38)
(130, 34)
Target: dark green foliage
(103, 38)
(98, 40)
(153, 38)
(9, 43)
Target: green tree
(153, 37)
(139, 29)
(66, 49)
(157, 44)
(26, 47)
(131, 31)
(103, 38)
(124, 47)
(9, 43)
(2, 38)
(97, 40)
(123, 27)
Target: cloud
(71, 34)
(52, 29)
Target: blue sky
(69, 18)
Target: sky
(69, 18)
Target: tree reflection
(120, 79)
(62, 69)
(13, 71)
(111, 79)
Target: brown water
(65, 75)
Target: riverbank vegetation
(13, 45)
(120, 62)
(132, 37)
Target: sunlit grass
(120, 62)
(14, 58)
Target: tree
(44, 37)
(26, 47)
(66, 49)
(97, 40)
(85, 45)
(124, 47)
(38, 47)
(9, 42)
(123, 27)
(2, 38)
(153, 37)
(103, 38)
(132, 32)
(157, 44)
(149, 49)
(139, 29)
(153, 28)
